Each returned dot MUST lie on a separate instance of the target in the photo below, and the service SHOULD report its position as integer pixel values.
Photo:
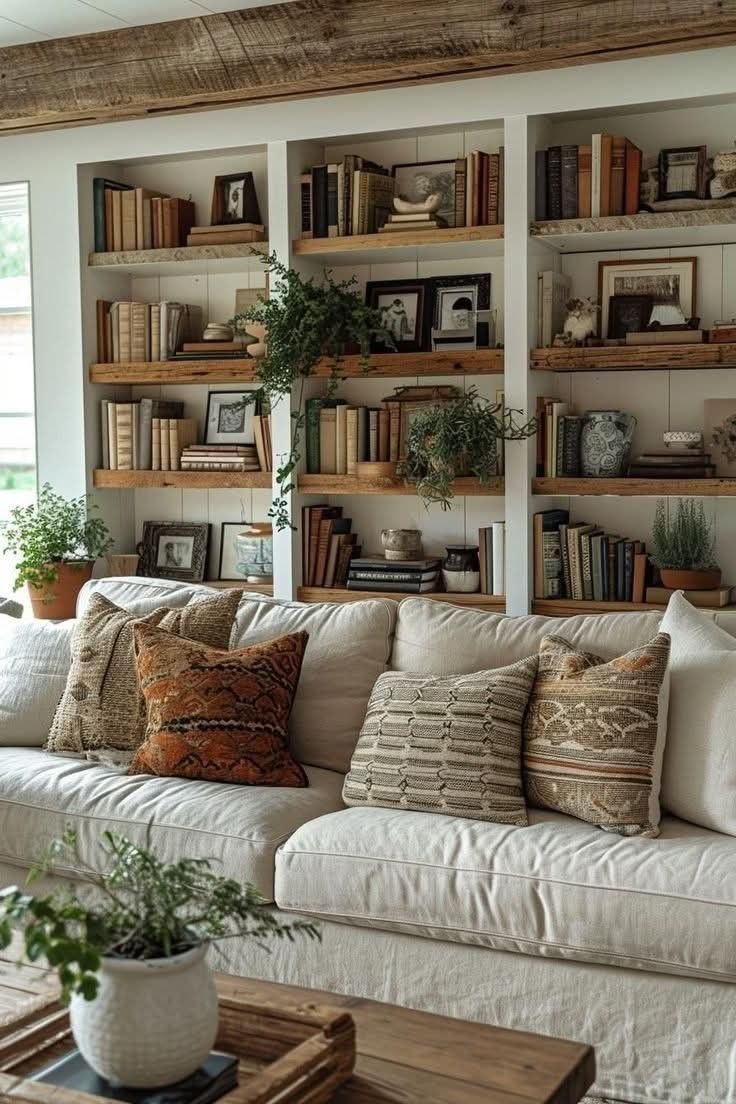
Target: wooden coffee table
(404, 1057)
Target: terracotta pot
(675, 578)
(57, 601)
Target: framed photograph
(460, 306)
(229, 418)
(234, 199)
(628, 314)
(174, 550)
(417, 181)
(246, 552)
(669, 281)
(403, 308)
(683, 173)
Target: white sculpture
(427, 206)
(581, 321)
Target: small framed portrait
(246, 552)
(230, 418)
(416, 182)
(174, 550)
(403, 308)
(628, 314)
(461, 309)
(667, 282)
(683, 173)
(234, 199)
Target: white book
(555, 293)
(595, 175)
(104, 425)
(341, 441)
(499, 558)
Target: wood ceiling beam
(317, 47)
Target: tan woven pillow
(594, 735)
(445, 745)
(102, 713)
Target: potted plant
(57, 541)
(459, 437)
(129, 949)
(684, 547)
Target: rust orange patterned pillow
(218, 715)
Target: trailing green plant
(53, 530)
(305, 321)
(459, 437)
(139, 907)
(685, 540)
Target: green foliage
(304, 322)
(458, 438)
(685, 541)
(138, 908)
(53, 530)
(14, 246)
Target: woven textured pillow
(594, 735)
(218, 715)
(102, 713)
(445, 745)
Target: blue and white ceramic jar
(605, 443)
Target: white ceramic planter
(152, 1023)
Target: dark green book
(98, 205)
(312, 408)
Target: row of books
(328, 546)
(586, 181)
(402, 576)
(127, 432)
(353, 196)
(492, 557)
(338, 437)
(126, 217)
(582, 562)
(132, 331)
(558, 438)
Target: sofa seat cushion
(239, 827)
(559, 888)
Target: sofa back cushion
(142, 595)
(349, 647)
(35, 657)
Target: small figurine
(581, 322)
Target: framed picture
(424, 178)
(457, 303)
(719, 420)
(628, 314)
(246, 552)
(229, 418)
(403, 309)
(174, 550)
(414, 400)
(234, 199)
(683, 173)
(667, 280)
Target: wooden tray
(298, 1055)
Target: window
(17, 426)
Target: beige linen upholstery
(239, 827)
(560, 887)
(34, 664)
(142, 596)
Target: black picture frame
(243, 406)
(628, 314)
(246, 209)
(482, 282)
(189, 542)
(699, 160)
(378, 290)
(441, 178)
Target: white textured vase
(152, 1023)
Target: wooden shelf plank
(351, 485)
(707, 488)
(473, 362)
(567, 607)
(103, 478)
(623, 358)
(704, 226)
(175, 371)
(330, 594)
(180, 255)
(396, 239)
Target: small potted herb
(458, 438)
(129, 948)
(56, 542)
(684, 547)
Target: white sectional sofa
(626, 943)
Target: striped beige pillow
(594, 735)
(445, 745)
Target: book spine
(319, 201)
(606, 180)
(639, 582)
(394, 434)
(628, 570)
(576, 578)
(554, 182)
(332, 221)
(499, 558)
(586, 567)
(493, 178)
(145, 452)
(128, 219)
(351, 465)
(124, 435)
(571, 446)
(98, 210)
(373, 435)
(174, 454)
(632, 185)
(105, 432)
(618, 174)
(116, 199)
(393, 576)
(165, 445)
(383, 435)
(112, 433)
(341, 440)
(584, 157)
(124, 332)
(138, 332)
(551, 565)
(620, 571)
(569, 182)
(311, 413)
(595, 175)
(327, 441)
(595, 568)
(501, 184)
(540, 185)
(559, 446)
(459, 192)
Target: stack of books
(141, 332)
(338, 437)
(492, 556)
(558, 439)
(230, 233)
(211, 350)
(402, 576)
(328, 546)
(582, 562)
(421, 220)
(126, 217)
(588, 181)
(706, 599)
(673, 463)
(127, 432)
(239, 458)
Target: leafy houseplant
(57, 541)
(684, 547)
(456, 438)
(305, 321)
(141, 922)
